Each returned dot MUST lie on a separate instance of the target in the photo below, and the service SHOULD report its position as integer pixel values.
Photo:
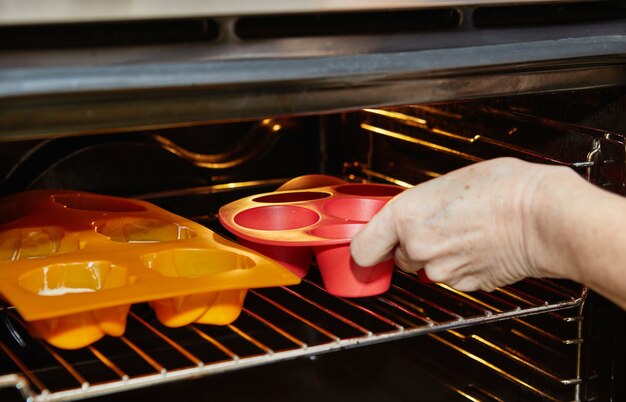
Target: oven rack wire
(422, 123)
(289, 322)
(595, 153)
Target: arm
(584, 231)
(496, 222)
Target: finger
(376, 241)
(450, 268)
(470, 284)
(404, 262)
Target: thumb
(377, 240)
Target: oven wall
(135, 163)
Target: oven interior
(536, 340)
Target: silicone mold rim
(301, 235)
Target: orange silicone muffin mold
(72, 263)
(290, 226)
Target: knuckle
(405, 263)
(439, 273)
(467, 284)
(415, 251)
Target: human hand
(473, 228)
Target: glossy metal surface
(42, 108)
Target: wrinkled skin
(474, 228)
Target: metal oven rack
(284, 323)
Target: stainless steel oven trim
(27, 114)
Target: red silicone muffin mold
(290, 226)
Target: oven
(194, 105)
